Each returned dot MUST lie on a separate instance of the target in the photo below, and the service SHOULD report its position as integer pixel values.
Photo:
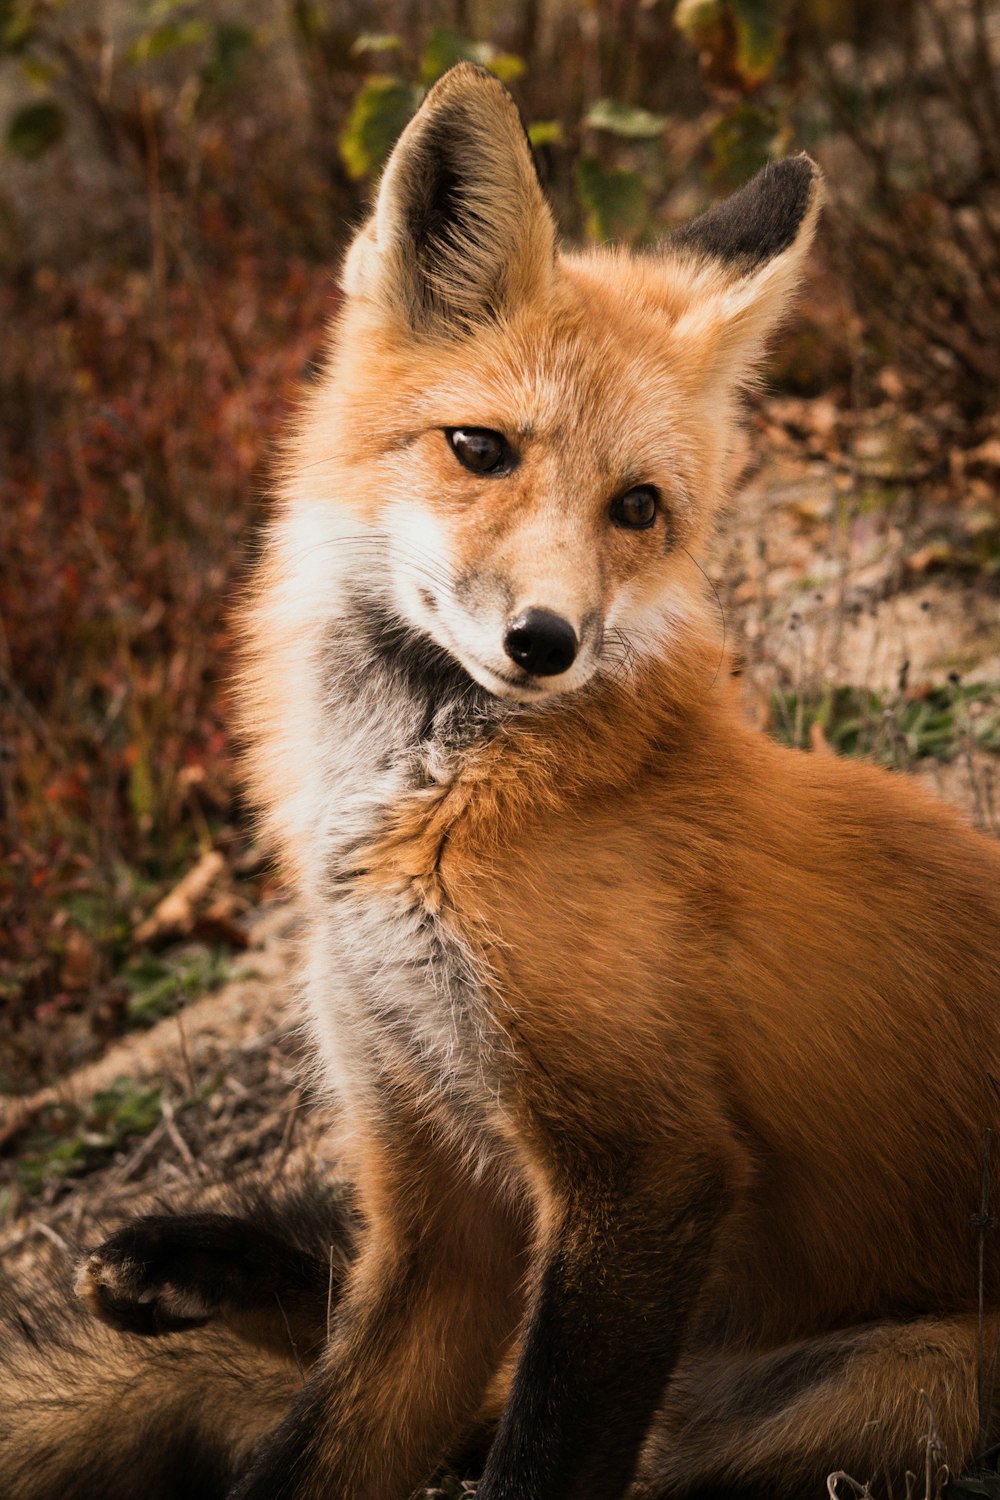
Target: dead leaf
(987, 455)
(176, 914)
(218, 923)
(891, 385)
(80, 963)
(933, 555)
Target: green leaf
(377, 117)
(760, 31)
(41, 71)
(743, 141)
(624, 120)
(69, 1140)
(699, 20)
(141, 785)
(232, 43)
(158, 986)
(155, 11)
(35, 128)
(166, 39)
(507, 66)
(17, 25)
(445, 47)
(739, 40)
(545, 132)
(126, 1107)
(375, 41)
(615, 199)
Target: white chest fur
(394, 999)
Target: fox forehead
(588, 373)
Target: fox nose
(541, 642)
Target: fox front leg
(602, 1337)
(431, 1306)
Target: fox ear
(740, 263)
(461, 231)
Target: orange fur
(739, 1003)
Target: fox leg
(605, 1327)
(267, 1274)
(862, 1401)
(431, 1304)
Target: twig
(186, 1057)
(183, 1149)
(144, 1149)
(56, 1239)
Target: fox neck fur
(411, 749)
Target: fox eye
(479, 449)
(636, 509)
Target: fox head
(520, 450)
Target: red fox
(665, 1051)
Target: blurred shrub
(917, 220)
(903, 105)
(610, 198)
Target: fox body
(665, 1052)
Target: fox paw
(159, 1274)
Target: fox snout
(524, 619)
(543, 643)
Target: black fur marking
(290, 1250)
(418, 664)
(283, 1468)
(193, 1468)
(757, 222)
(449, 198)
(602, 1338)
(790, 1372)
(441, 211)
(215, 1258)
(439, 196)
(455, 710)
(733, 1488)
(723, 1390)
(166, 1463)
(494, 82)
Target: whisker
(624, 657)
(418, 562)
(722, 615)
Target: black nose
(541, 642)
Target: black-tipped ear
(759, 221)
(737, 267)
(461, 231)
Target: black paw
(161, 1273)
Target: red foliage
(132, 465)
